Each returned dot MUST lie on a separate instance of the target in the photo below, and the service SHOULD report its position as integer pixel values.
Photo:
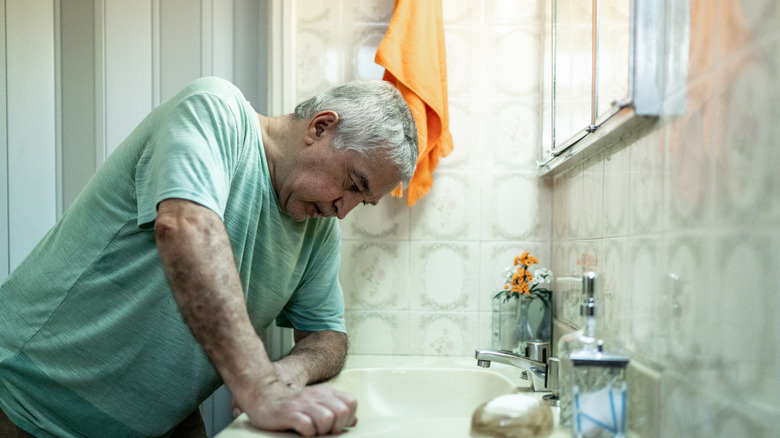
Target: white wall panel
(30, 129)
(222, 40)
(77, 69)
(3, 157)
(128, 58)
(180, 45)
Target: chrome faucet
(542, 369)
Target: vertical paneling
(3, 156)
(180, 45)
(222, 41)
(78, 96)
(248, 74)
(30, 130)
(127, 49)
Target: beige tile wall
(697, 200)
(419, 280)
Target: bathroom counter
(414, 396)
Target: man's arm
(315, 357)
(198, 260)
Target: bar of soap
(513, 416)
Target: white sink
(421, 392)
(412, 396)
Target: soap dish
(512, 416)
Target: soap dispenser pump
(577, 340)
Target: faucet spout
(537, 369)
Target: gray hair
(372, 116)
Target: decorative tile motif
(744, 168)
(443, 334)
(377, 276)
(527, 13)
(368, 11)
(446, 212)
(389, 219)
(316, 11)
(511, 76)
(466, 128)
(592, 197)
(616, 192)
(444, 276)
(361, 45)
(317, 59)
(647, 158)
(377, 332)
(512, 135)
(513, 207)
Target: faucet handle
(551, 383)
(537, 350)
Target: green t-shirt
(91, 340)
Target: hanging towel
(413, 55)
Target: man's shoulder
(212, 85)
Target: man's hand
(313, 410)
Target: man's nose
(346, 203)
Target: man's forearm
(316, 356)
(199, 264)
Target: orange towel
(413, 55)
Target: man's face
(326, 182)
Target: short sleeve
(318, 303)
(191, 155)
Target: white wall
(29, 145)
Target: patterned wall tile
(464, 76)
(742, 322)
(444, 276)
(374, 274)
(644, 303)
(443, 334)
(515, 206)
(616, 192)
(647, 191)
(317, 12)
(592, 198)
(317, 60)
(461, 12)
(367, 11)
(466, 126)
(746, 118)
(512, 76)
(615, 287)
(389, 219)
(511, 135)
(360, 46)
(527, 13)
(447, 210)
(378, 332)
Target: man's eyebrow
(366, 188)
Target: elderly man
(207, 223)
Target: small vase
(518, 320)
(523, 331)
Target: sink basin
(421, 392)
(412, 396)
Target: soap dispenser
(574, 341)
(590, 377)
(599, 392)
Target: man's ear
(321, 123)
